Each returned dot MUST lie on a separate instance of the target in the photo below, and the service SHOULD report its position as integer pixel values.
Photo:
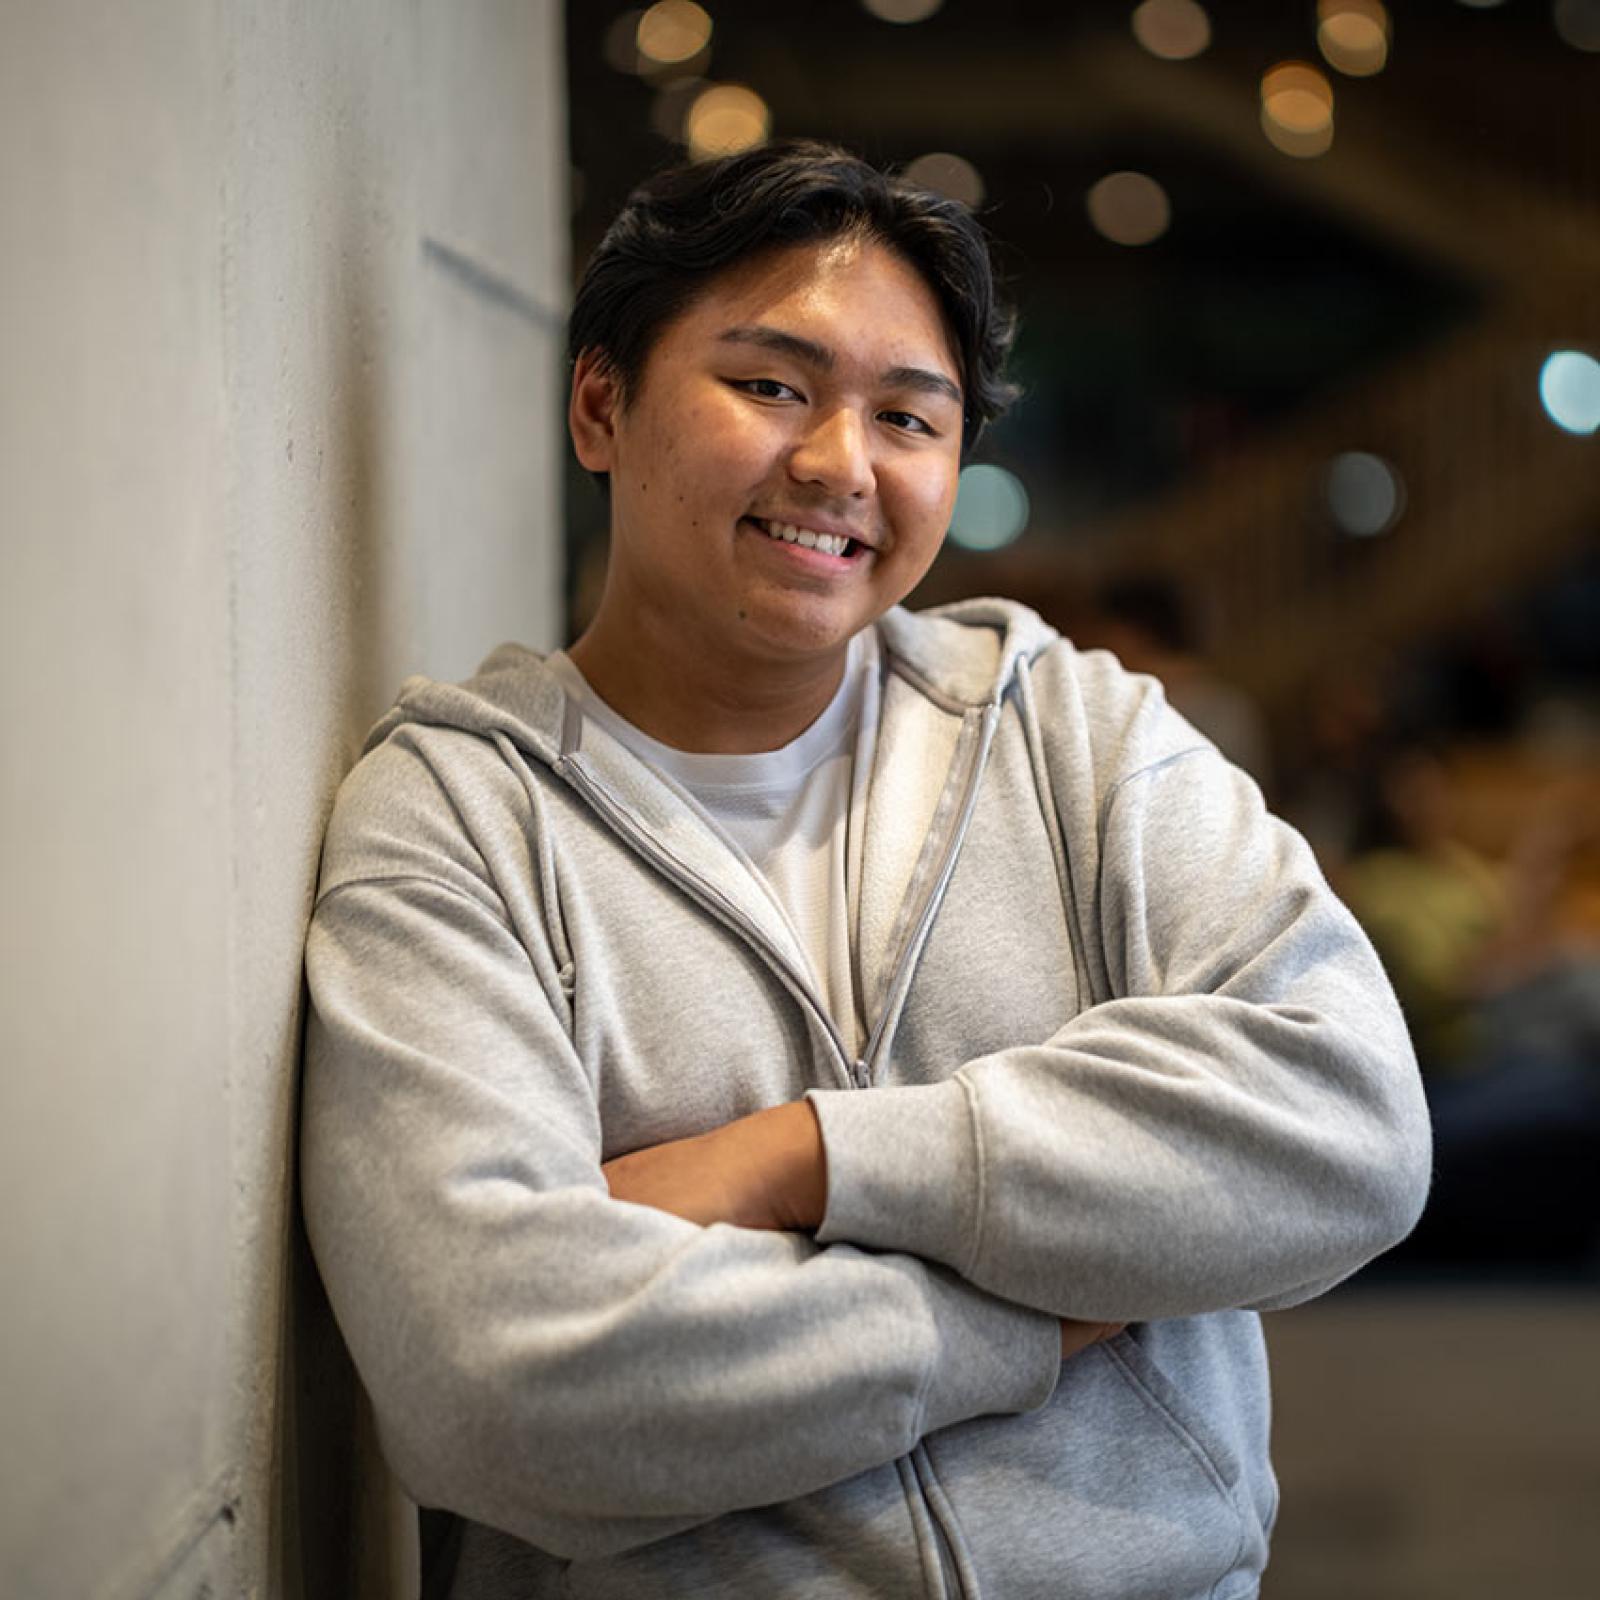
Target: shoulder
(417, 804)
(1119, 722)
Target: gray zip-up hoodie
(1129, 1060)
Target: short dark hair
(684, 226)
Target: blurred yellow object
(672, 31)
(1353, 35)
(1297, 108)
(1129, 208)
(1174, 30)
(725, 119)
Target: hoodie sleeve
(1240, 1124)
(587, 1374)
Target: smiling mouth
(831, 544)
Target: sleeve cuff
(995, 1357)
(903, 1170)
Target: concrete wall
(280, 293)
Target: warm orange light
(1297, 77)
(724, 119)
(1353, 35)
(1297, 109)
(672, 31)
(1129, 208)
(1175, 30)
(950, 175)
(902, 10)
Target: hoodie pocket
(1114, 1490)
(1168, 1404)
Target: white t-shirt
(786, 812)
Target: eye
(908, 422)
(765, 388)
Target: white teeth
(829, 543)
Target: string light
(1175, 30)
(724, 119)
(902, 10)
(1353, 35)
(1297, 109)
(949, 175)
(672, 32)
(1129, 208)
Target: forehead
(852, 295)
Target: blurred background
(1310, 317)
(1310, 339)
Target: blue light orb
(991, 509)
(1365, 494)
(1569, 386)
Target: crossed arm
(766, 1170)
(1214, 1139)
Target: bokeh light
(952, 176)
(724, 119)
(1569, 386)
(902, 10)
(1175, 30)
(1353, 35)
(673, 31)
(1297, 109)
(1578, 23)
(991, 509)
(1129, 208)
(1365, 494)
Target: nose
(836, 455)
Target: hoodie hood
(962, 656)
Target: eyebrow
(819, 356)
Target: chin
(793, 639)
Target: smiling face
(785, 472)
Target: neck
(698, 702)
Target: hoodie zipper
(858, 1070)
(713, 900)
(933, 896)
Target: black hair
(684, 226)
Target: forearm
(767, 1170)
(1121, 1171)
(1234, 1118)
(543, 1357)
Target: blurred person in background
(1503, 1001)
(804, 1098)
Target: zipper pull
(861, 1073)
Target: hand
(1076, 1336)
(767, 1170)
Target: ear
(592, 411)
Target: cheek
(929, 500)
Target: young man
(802, 1098)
